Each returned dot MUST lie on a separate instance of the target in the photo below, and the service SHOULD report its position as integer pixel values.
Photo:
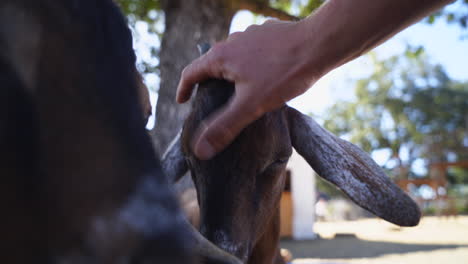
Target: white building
(298, 201)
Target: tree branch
(265, 9)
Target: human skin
(272, 63)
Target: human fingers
(223, 126)
(193, 73)
(272, 21)
(206, 66)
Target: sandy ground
(371, 241)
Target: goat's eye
(280, 161)
(275, 165)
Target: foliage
(149, 14)
(310, 6)
(458, 175)
(140, 10)
(410, 108)
(282, 4)
(456, 13)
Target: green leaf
(450, 17)
(310, 7)
(431, 19)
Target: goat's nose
(226, 242)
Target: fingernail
(204, 150)
(177, 97)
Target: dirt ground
(372, 241)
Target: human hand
(266, 63)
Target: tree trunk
(188, 23)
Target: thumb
(223, 126)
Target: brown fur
(239, 194)
(80, 179)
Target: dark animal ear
(352, 170)
(173, 161)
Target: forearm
(342, 30)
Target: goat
(239, 189)
(80, 179)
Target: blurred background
(405, 102)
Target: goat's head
(239, 189)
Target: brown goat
(240, 188)
(80, 180)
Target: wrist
(310, 53)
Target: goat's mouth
(235, 249)
(240, 249)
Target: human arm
(277, 61)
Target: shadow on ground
(349, 246)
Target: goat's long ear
(352, 170)
(173, 161)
